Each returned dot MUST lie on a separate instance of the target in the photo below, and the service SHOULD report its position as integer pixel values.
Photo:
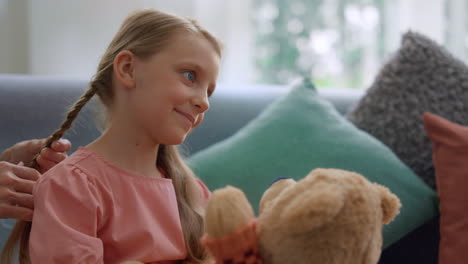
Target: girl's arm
(66, 219)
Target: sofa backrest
(34, 106)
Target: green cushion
(300, 132)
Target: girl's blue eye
(190, 75)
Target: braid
(71, 116)
(22, 229)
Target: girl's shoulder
(81, 163)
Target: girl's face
(173, 87)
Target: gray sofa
(32, 107)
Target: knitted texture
(239, 247)
(421, 77)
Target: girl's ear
(124, 67)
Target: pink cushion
(450, 158)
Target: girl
(128, 195)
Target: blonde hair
(143, 33)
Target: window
(343, 43)
(336, 42)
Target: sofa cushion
(422, 76)
(450, 154)
(300, 132)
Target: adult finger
(10, 196)
(51, 155)
(20, 185)
(25, 172)
(24, 200)
(61, 145)
(15, 212)
(44, 164)
(34, 145)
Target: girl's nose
(201, 102)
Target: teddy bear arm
(228, 209)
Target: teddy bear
(331, 216)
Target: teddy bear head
(330, 216)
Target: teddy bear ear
(228, 209)
(390, 204)
(308, 208)
(273, 192)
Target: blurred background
(339, 43)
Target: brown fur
(329, 217)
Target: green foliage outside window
(339, 43)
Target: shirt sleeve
(66, 219)
(205, 192)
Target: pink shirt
(88, 210)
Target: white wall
(14, 36)
(68, 37)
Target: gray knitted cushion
(422, 76)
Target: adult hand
(16, 185)
(25, 151)
(17, 181)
